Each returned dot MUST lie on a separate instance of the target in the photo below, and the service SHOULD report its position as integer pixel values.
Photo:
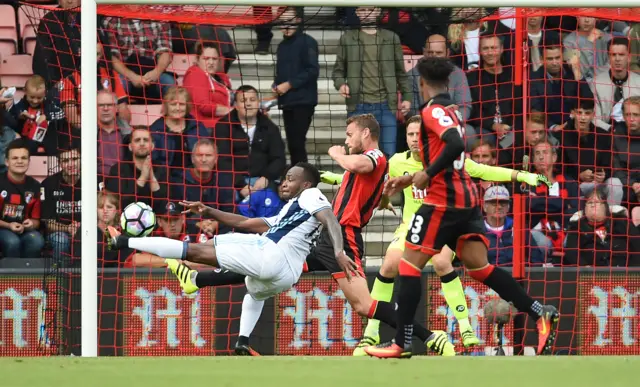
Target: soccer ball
(138, 220)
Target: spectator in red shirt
(20, 205)
(208, 85)
(70, 95)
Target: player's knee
(441, 264)
(389, 268)
(362, 308)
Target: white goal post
(89, 320)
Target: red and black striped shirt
(19, 200)
(359, 194)
(452, 187)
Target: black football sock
(243, 340)
(508, 289)
(212, 278)
(386, 313)
(409, 292)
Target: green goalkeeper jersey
(404, 164)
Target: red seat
(29, 17)
(8, 30)
(29, 40)
(38, 168)
(410, 61)
(144, 115)
(15, 70)
(181, 64)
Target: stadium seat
(181, 63)
(144, 115)
(8, 31)
(410, 61)
(38, 168)
(29, 17)
(15, 70)
(28, 40)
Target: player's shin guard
(508, 289)
(218, 278)
(382, 291)
(408, 299)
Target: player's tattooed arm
(256, 225)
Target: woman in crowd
(601, 235)
(208, 85)
(175, 134)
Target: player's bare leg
(204, 253)
(409, 294)
(454, 294)
(473, 253)
(382, 291)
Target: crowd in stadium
(218, 145)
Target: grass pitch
(319, 372)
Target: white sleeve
(270, 221)
(313, 200)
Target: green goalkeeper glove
(330, 177)
(533, 179)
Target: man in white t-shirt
(271, 261)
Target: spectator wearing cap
(61, 209)
(204, 182)
(172, 223)
(499, 228)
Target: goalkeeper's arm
(499, 174)
(331, 178)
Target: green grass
(319, 372)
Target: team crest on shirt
(105, 84)
(28, 196)
(437, 113)
(267, 202)
(186, 238)
(3, 194)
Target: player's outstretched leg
(192, 280)
(251, 311)
(203, 253)
(382, 291)
(474, 255)
(409, 294)
(357, 293)
(454, 294)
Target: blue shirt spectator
(261, 204)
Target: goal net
(212, 103)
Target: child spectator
(38, 119)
